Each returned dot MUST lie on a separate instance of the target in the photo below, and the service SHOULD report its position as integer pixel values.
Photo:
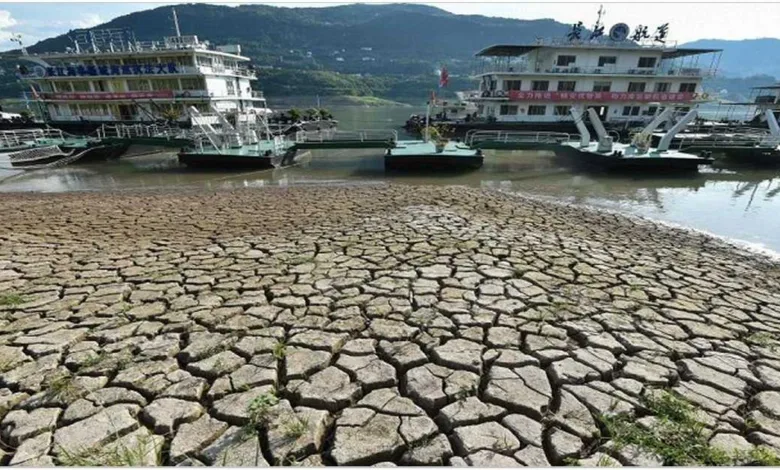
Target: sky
(688, 21)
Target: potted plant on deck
(439, 135)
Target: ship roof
(513, 50)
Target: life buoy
(485, 94)
(500, 93)
(704, 96)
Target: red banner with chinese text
(601, 96)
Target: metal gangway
(514, 140)
(746, 139)
(336, 139)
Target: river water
(741, 205)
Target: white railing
(329, 135)
(475, 136)
(129, 131)
(606, 70)
(600, 43)
(22, 137)
(729, 141)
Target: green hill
(396, 48)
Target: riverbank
(361, 324)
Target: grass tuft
(119, 455)
(677, 437)
(280, 350)
(11, 299)
(258, 410)
(296, 427)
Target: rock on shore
(366, 325)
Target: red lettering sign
(515, 95)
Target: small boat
(421, 155)
(432, 154)
(57, 156)
(638, 156)
(42, 146)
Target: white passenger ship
(109, 76)
(626, 75)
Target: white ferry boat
(626, 75)
(109, 76)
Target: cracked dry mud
(396, 325)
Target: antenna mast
(176, 23)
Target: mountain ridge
(391, 50)
(744, 57)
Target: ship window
(508, 110)
(607, 60)
(567, 85)
(651, 110)
(510, 85)
(561, 110)
(100, 85)
(602, 86)
(687, 87)
(192, 84)
(165, 84)
(138, 85)
(231, 89)
(636, 87)
(566, 60)
(663, 87)
(630, 110)
(81, 86)
(540, 85)
(646, 62)
(537, 110)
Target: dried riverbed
(367, 324)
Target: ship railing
(476, 136)
(130, 131)
(603, 70)
(15, 138)
(729, 141)
(329, 135)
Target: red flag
(444, 77)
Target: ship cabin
(625, 81)
(108, 76)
